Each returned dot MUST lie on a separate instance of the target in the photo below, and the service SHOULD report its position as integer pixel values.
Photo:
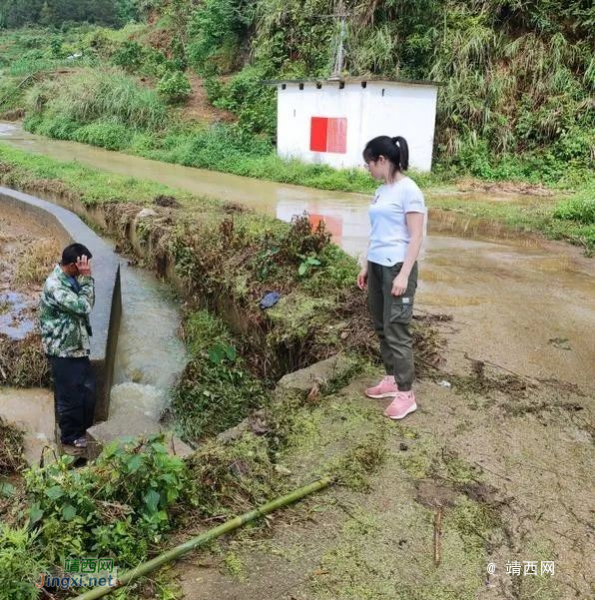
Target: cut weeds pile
(11, 448)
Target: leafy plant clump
(21, 563)
(216, 390)
(117, 507)
(174, 87)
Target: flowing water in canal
(524, 304)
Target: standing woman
(397, 216)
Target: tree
(46, 16)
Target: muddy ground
(27, 253)
(495, 468)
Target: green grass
(570, 219)
(94, 186)
(97, 95)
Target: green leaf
(54, 492)
(134, 463)
(216, 354)
(6, 489)
(231, 353)
(68, 512)
(303, 269)
(151, 499)
(35, 513)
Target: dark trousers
(392, 321)
(74, 395)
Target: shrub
(174, 87)
(581, 210)
(253, 103)
(129, 56)
(113, 508)
(216, 29)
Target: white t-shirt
(390, 236)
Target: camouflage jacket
(64, 315)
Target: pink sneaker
(387, 388)
(401, 406)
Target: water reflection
(15, 320)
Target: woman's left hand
(399, 285)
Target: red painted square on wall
(328, 134)
(318, 134)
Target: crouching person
(66, 302)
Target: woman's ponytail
(394, 149)
(401, 144)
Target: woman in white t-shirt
(397, 217)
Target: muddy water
(33, 410)
(526, 305)
(150, 354)
(530, 309)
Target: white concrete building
(330, 121)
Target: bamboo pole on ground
(207, 536)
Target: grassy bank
(571, 219)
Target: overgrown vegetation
(17, 13)
(117, 507)
(217, 390)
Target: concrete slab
(319, 374)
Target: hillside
(519, 77)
